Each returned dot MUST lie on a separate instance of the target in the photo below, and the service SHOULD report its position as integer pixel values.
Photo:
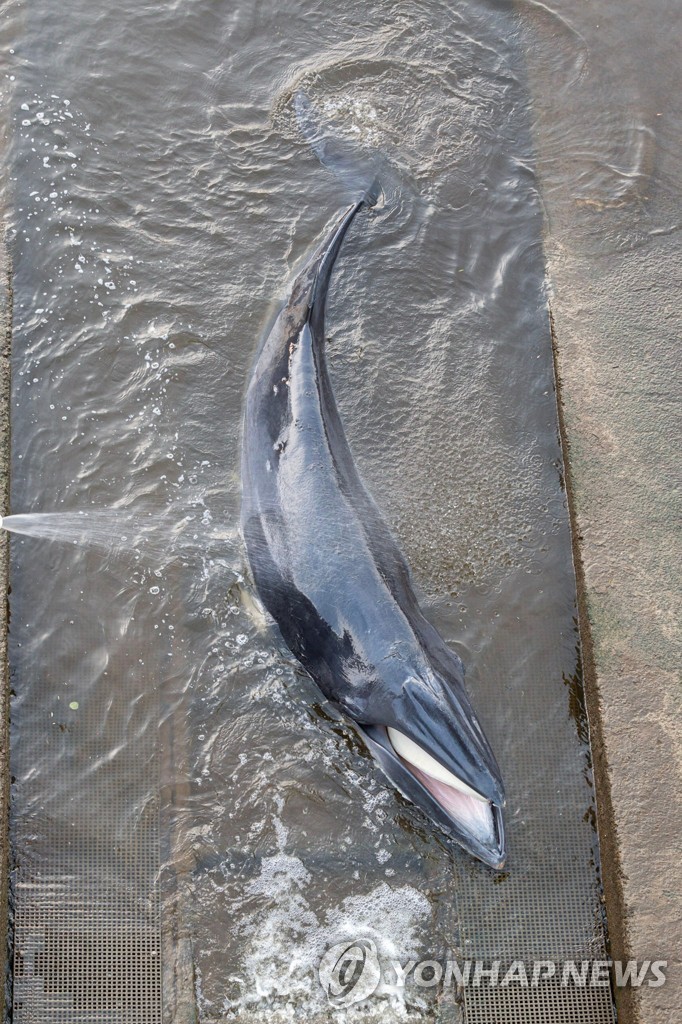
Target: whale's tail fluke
(359, 169)
(373, 192)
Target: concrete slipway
(613, 260)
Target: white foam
(286, 934)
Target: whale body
(331, 575)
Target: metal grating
(87, 919)
(87, 975)
(85, 952)
(548, 905)
(549, 1003)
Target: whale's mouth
(471, 811)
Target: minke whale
(330, 574)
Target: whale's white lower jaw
(469, 810)
(473, 815)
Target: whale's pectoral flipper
(254, 609)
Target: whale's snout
(476, 815)
(428, 741)
(475, 821)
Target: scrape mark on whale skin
(332, 577)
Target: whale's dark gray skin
(331, 576)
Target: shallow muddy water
(176, 774)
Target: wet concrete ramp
(192, 825)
